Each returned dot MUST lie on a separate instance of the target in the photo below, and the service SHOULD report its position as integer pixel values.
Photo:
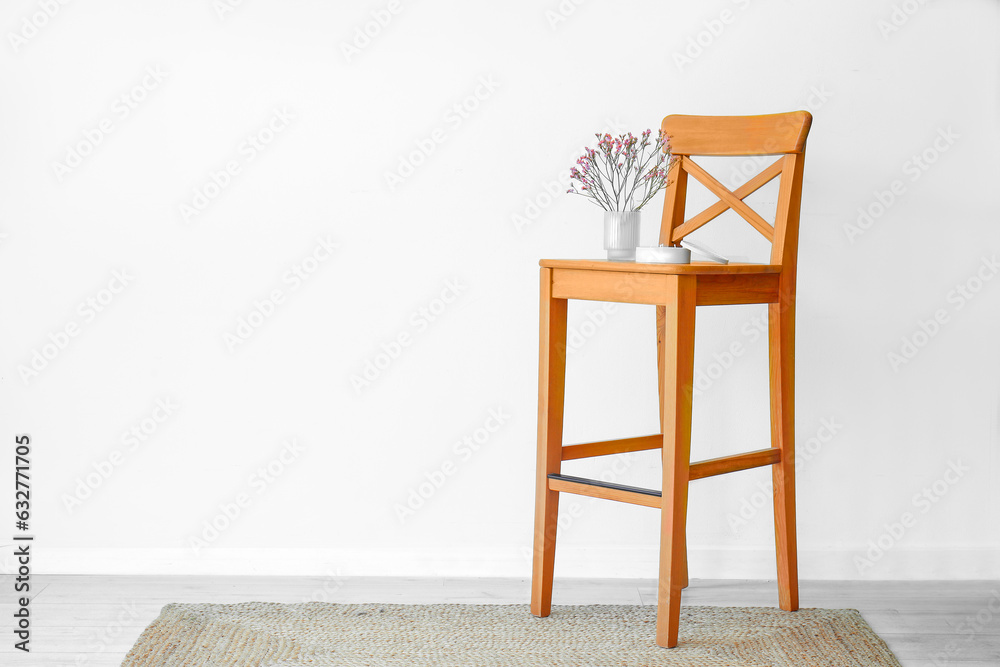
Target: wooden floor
(92, 621)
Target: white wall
(884, 84)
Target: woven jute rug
(445, 635)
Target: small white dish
(662, 255)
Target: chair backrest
(782, 134)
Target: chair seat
(694, 268)
(652, 284)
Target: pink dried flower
(624, 172)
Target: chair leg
(677, 350)
(781, 334)
(661, 318)
(551, 395)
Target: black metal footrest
(606, 485)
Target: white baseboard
(603, 562)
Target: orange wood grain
(566, 486)
(606, 447)
(734, 463)
(770, 134)
(675, 414)
(551, 400)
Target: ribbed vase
(621, 235)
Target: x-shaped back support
(728, 199)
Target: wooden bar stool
(676, 290)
